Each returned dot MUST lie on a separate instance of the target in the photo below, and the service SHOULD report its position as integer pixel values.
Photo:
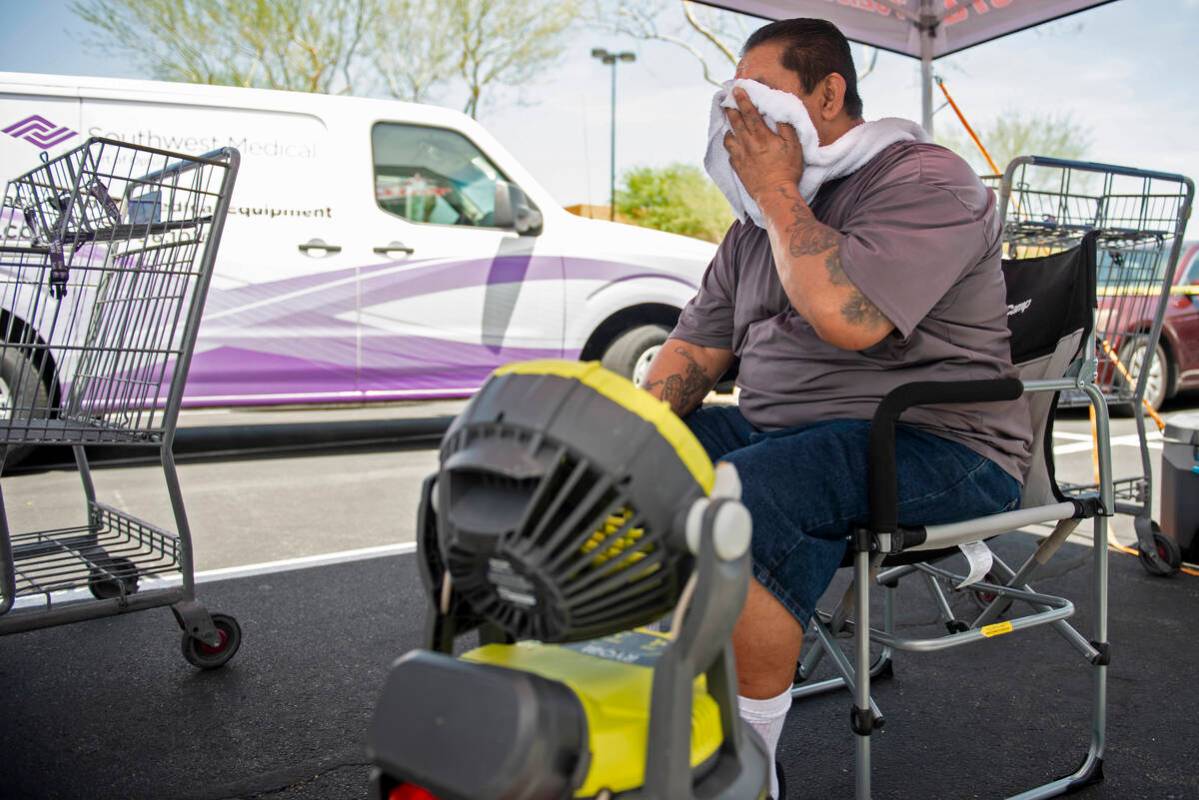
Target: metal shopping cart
(1047, 205)
(106, 254)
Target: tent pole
(926, 92)
(927, 29)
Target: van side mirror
(513, 210)
(502, 216)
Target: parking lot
(304, 523)
(270, 486)
(272, 490)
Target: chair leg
(948, 618)
(862, 717)
(1091, 769)
(812, 656)
(882, 666)
(845, 670)
(826, 644)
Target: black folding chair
(1051, 304)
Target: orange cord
(962, 117)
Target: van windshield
(432, 175)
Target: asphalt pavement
(271, 485)
(307, 539)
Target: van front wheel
(631, 353)
(23, 395)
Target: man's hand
(763, 160)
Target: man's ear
(831, 93)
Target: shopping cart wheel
(206, 656)
(118, 576)
(1166, 559)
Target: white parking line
(1082, 444)
(304, 562)
(244, 571)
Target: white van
(374, 249)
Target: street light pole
(612, 59)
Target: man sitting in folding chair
(890, 275)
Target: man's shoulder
(933, 166)
(741, 232)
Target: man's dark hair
(814, 50)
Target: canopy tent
(923, 29)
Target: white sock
(767, 718)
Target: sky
(1128, 72)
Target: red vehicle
(1176, 365)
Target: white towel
(842, 157)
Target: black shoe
(781, 777)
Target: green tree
(1014, 133)
(677, 198)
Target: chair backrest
(1051, 311)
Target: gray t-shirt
(921, 242)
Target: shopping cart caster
(113, 577)
(1166, 558)
(206, 656)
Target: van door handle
(394, 247)
(318, 244)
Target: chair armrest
(883, 481)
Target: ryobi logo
(40, 132)
(1019, 308)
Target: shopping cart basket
(1047, 204)
(105, 260)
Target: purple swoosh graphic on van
(298, 339)
(330, 336)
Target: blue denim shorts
(806, 490)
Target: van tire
(16, 371)
(633, 349)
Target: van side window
(432, 175)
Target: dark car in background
(1176, 363)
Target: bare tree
(507, 42)
(303, 45)
(712, 37)
(1014, 133)
(410, 50)
(648, 21)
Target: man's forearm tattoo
(832, 263)
(684, 391)
(857, 310)
(810, 237)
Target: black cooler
(1180, 483)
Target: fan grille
(581, 560)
